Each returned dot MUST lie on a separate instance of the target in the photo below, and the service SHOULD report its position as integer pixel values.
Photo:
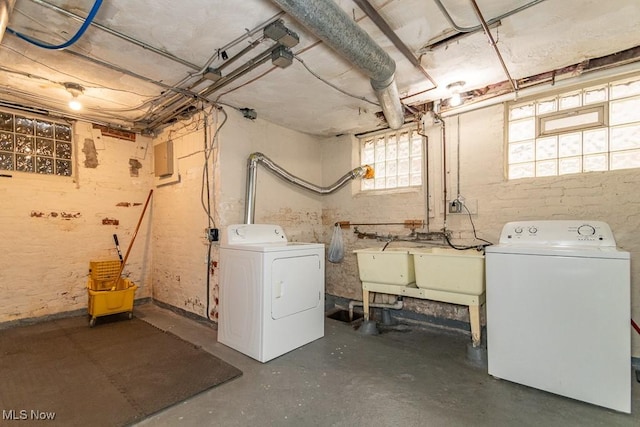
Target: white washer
(558, 310)
(271, 298)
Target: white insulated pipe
(395, 306)
(327, 21)
(6, 6)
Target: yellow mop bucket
(108, 294)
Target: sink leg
(365, 304)
(474, 319)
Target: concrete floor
(410, 377)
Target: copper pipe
(492, 41)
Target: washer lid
(558, 251)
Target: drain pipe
(395, 306)
(6, 6)
(445, 186)
(252, 174)
(327, 21)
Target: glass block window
(396, 158)
(588, 130)
(30, 144)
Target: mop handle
(115, 239)
(126, 256)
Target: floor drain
(343, 316)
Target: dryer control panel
(558, 233)
(239, 234)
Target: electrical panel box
(163, 159)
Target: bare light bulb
(74, 104)
(455, 100)
(455, 89)
(75, 90)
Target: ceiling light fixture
(75, 90)
(455, 89)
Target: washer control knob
(518, 230)
(586, 230)
(533, 230)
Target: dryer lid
(293, 247)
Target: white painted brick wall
(179, 241)
(45, 263)
(180, 247)
(608, 196)
(46, 268)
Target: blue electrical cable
(72, 40)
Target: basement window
(35, 145)
(587, 130)
(396, 158)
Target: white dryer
(271, 298)
(558, 310)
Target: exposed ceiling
(141, 62)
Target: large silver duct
(6, 6)
(252, 174)
(336, 28)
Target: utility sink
(449, 270)
(393, 266)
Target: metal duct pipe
(252, 173)
(6, 6)
(380, 22)
(327, 21)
